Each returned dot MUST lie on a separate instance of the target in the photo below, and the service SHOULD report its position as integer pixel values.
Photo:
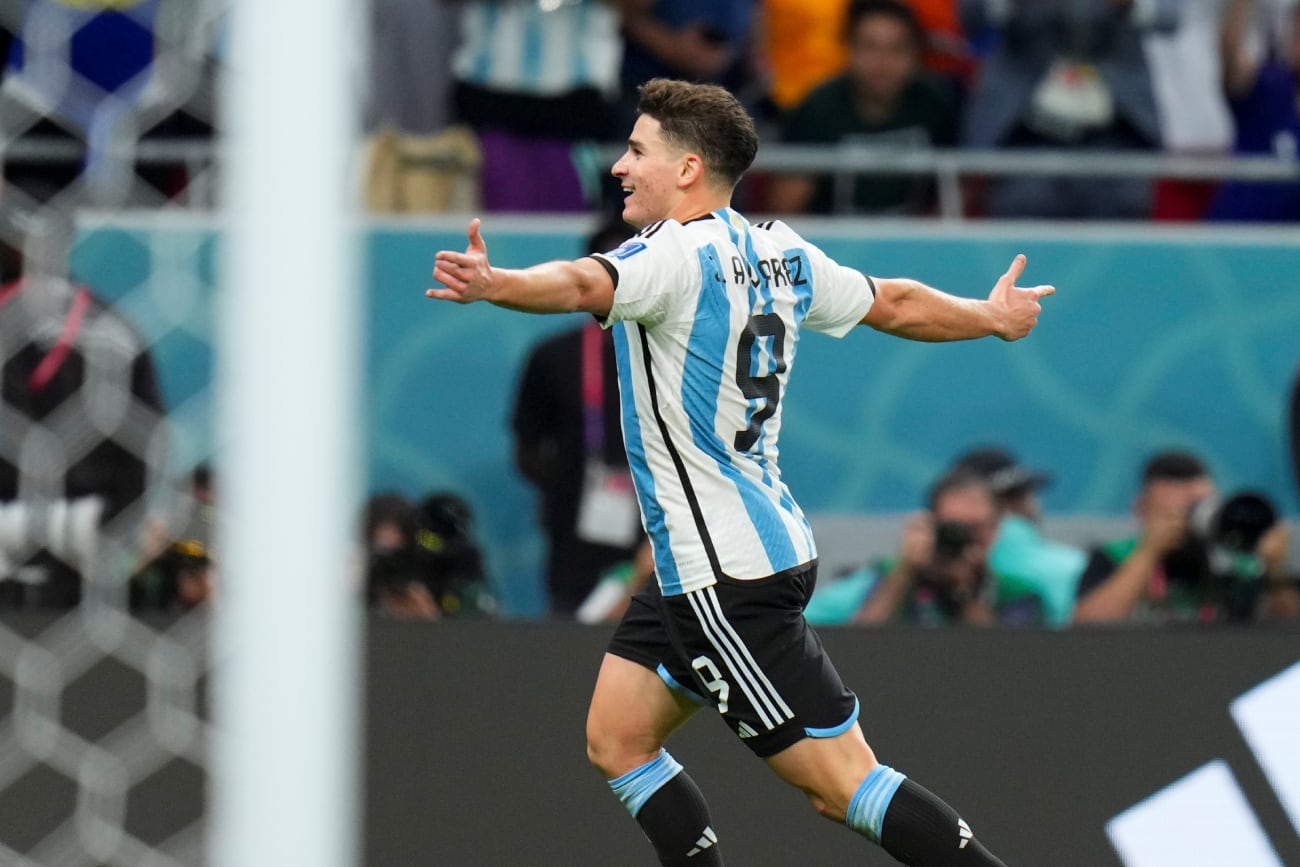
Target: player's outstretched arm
(554, 287)
(907, 308)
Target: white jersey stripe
(743, 678)
(765, 685)
(652, 514)
(683, 476)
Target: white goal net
(129, 435)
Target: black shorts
(744, 648)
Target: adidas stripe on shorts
(744, 648)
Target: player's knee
(614, 753)
(604, 750)
(598, 751)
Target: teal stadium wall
(1155, 338)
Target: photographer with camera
(1037, 575)
(1193, 560)
(941, 575)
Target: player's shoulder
(776, 227)
(667, 237)
(652, 229)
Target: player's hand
(1016, 307)
(467, 276)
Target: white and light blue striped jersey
(539, 48)
(707, 317)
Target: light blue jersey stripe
(701, 383)
(651, 511)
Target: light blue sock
(867, 808)
(636, 786)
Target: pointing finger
(1044, 291)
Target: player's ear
(691, 170)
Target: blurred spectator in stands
(1265, 98)
(696, 40)
(177, 570)
(1027, 564)
(941, 575)
(106, 74)
(82, 429)
(608, 600)
(1187, 76)
(536, 81)
(883, 99)
(422, 560)
(800, 44)
(418, 159)
(947, 51)
(411, 46)
(397, 579)
(179, 579)
(568, 434)
(1194, 559)
(445, 537)
(1069, 74)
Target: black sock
(676, 819)
(922, 831)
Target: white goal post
(284, 766)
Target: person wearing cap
(1028, 564)
(941, 575)
(1166, 573)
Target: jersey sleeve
(654, 273)
(841, 295)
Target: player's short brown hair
(704, 119)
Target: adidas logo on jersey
(707, 839)
(745, 730)
(965, 832)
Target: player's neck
(694, 207)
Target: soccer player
(709, 310)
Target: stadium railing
(947, 166)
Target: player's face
(648, 170)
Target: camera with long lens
(1232, 527)
(1229, 531)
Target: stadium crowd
(510, 115)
